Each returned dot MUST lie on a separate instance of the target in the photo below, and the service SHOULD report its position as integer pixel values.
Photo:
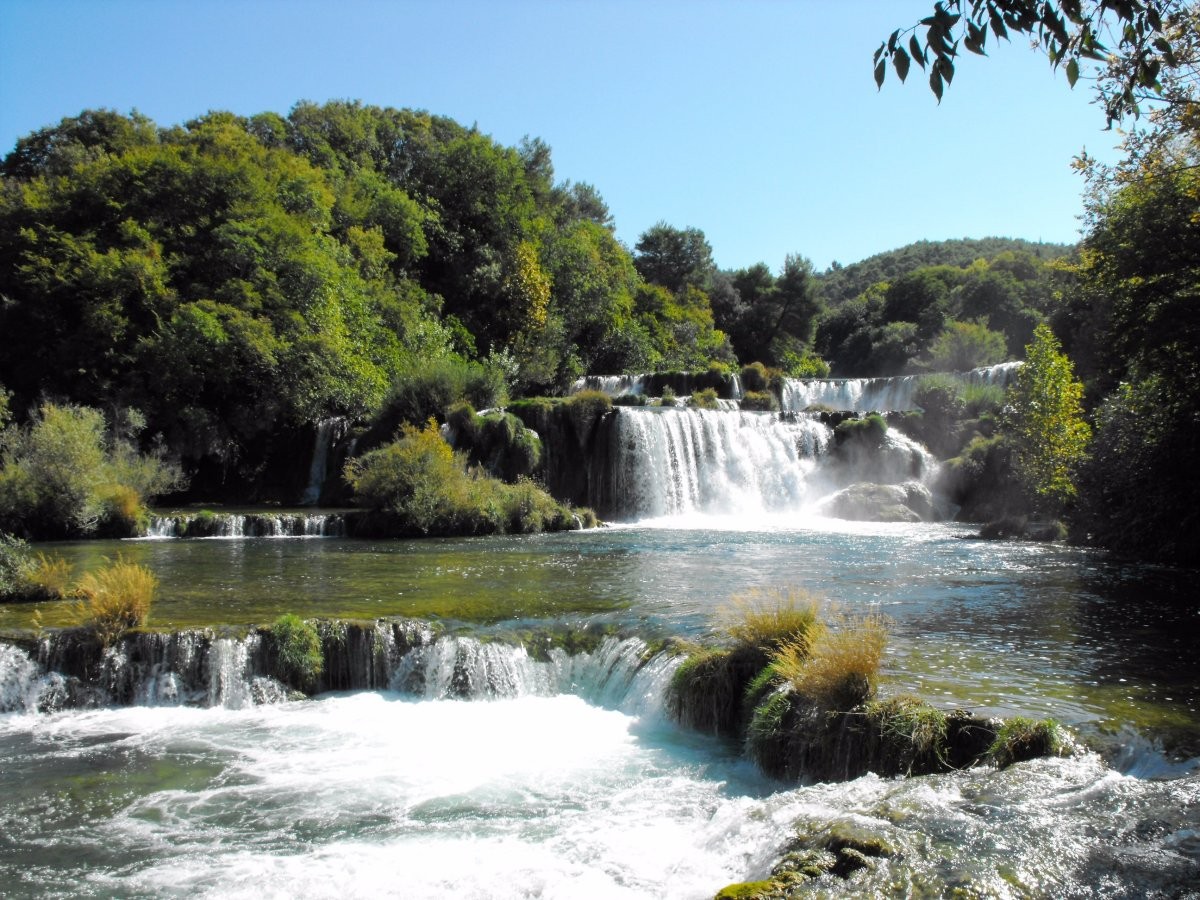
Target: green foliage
(585, 409)
(705, 398)
(115, 599)
(912, 728)
(966, 345)
(1071, 33)
(63, 475)
(498, 441)
(419, 486)
(1045, 423)
(430, 391)
(761, 401)
(1020, 739)
(299, 659)
(868, 431)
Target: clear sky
(756, 121)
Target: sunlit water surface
(578, 794)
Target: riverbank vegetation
(227, 287)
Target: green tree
(1045, 426)
(674, 257)
(966, 345)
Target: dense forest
(218, 288)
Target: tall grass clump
(839, 669)
(27, 577)
(115, 599)
(299, 660)
(767, 618)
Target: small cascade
(246, 525)
(1000, 375)
(196, 668)
(859, 394)
(670, 462)
(613, 385)
(329, 432)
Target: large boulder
(869, 502)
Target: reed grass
(115, 599)
(839, 668)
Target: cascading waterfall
(684, 462)
(672, 462)
(329, 431)
(894, 394)
(239, 525)
(194, 668)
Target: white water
(687, 463)
(239, 525)
(895, 394)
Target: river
(570, 781)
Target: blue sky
(757, 122)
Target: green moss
(749, 890)
(1020, 739)
(585, 410)
(297, 650)
(869, 430)
(631, 400)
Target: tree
(674, 257)
(1044, 423)
(966, 345)
(1069, 31)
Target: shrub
(631, 400)
(430, 390)
(755, 377)
(299, 660)
(868, 431)
(705, 398)
(839, 669)
(499, 442)
(1020, 739)
(668, 397)
(25, 577)
(115, 599)
(49, 578)
(761, 401)
(421, 486)
(61, 475)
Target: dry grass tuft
(50, 577)
(115, 599)
(769, 618)
(841, 667)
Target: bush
(499, 442)
(869, 431)
(115, 599)
(585, 410)
(631, 400)
(755, 377)
(668, 398)
(62, 476)
(431, 390)
(419, 485)
(29, 578)
(297, 646)
(704, 399)
(760, 401)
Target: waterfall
(1000, 375)
(239, 525)
(671, 462)
(613, 385)
(860, 394)
(194, 668)
(329, 432)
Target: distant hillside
(842, 283)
